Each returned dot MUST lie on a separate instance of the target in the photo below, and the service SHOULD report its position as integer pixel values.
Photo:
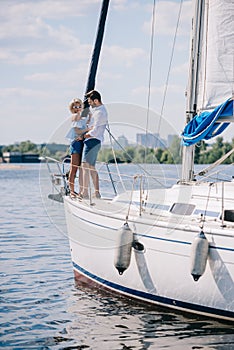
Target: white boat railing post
(140, 195)
(222, 204)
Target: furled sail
(214, 81)
(216, 67)
(205, 125)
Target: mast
(197, 27)
(97, 49)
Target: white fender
(123, 249)
(199, 255)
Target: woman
(76, 136)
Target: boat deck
(189, 213)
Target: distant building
(150, 140)
(122, 142)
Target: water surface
(41, 306)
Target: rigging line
(218, 162)
(113, 152)
(208, 198)
(130, 202)
(205, 56)
(215, 173)
(139, 166)
(169, 69)
(150, 72)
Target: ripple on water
(42, 308)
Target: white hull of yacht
(159, 272)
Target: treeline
(140, 154)
(204, 153)
(53, 150)
(208, 154)
(22, 147)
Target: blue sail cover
(205, 125)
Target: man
(92, 142)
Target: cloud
(26, 32)
(48, 9)
(181, 69)
(46, 47)
(32, 40)
(157, 92)
(18, 92)
(124, 5)
(166, 18)
(67, 78)
(43, 56)
(7, 55)
(51, 56)
(121, 55)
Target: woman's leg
(81, 187)
(75, 157)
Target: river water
(42, 307)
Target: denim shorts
(91, 149)
(76, 147)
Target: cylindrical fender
(123, 249)
(199, 255)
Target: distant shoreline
(4, 166)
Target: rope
(215, 173)
(138, 165)
(150, 72)
(130, 202)
(169, 69)
(113, 152)
(208, 198)
(218, 162)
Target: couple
(86, 135)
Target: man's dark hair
(94, 95)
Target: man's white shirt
(99, 121)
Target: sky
(46, 47)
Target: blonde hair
(74, 101)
